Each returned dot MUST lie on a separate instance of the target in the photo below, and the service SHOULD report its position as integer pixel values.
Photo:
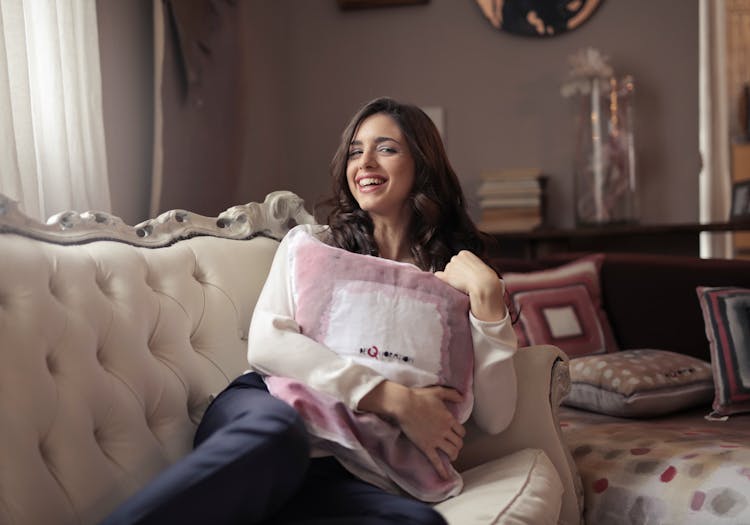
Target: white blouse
(277, 347)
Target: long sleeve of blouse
(276, 346)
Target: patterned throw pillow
(726, 314)
(639, 383)
(562, 306)
(403, 322)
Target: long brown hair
(440, 225)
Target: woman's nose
(367, 160)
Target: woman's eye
(354, 153)
(386, 149)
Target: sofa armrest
(543, 381)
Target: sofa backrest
(651, 300)
(110, 353)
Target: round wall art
(538, 18)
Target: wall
(126, 54)
(203, 105)
(312, 66)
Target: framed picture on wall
(740, 201)
(360, 4)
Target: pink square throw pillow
(562, 306)
(404, 323)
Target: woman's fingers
(466, 272)
(429, 424)
(455, 440)
(450, 449)
(434, 458)
(450, 394)
(469, 274)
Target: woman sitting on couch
(362, 444)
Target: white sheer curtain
(715, 178)
(52, 155)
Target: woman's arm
(494, 375)
(422, 415)
(276, 345)
(494, 340)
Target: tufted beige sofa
(113, 338)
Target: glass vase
(605, 178)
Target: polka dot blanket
(677, 470)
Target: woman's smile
(380, 168)
(370, 182)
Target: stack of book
(512, 200)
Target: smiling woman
(380, 174)
(363, 424)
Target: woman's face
(380, 168)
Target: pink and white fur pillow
(404, 323)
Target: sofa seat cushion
(522, 487)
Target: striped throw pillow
(726, 313)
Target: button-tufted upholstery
(109, 355)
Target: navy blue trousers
(251, 465)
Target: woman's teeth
(370, 181)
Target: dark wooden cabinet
(674, 239)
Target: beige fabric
(108, 356)
(520, 488)
(535, 425)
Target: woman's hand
(469, 274)
(423, 416)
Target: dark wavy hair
(440, 226)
